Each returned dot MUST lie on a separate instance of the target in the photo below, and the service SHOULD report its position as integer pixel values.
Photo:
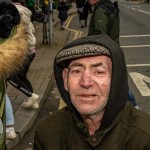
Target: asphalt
(40, 74)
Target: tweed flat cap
(81, 51)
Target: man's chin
(88, 111)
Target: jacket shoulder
(57, 122)
(109, 7)
(137, 119)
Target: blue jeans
(9, 112)
(131, 98)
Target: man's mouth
(87, 95)
(87, 98)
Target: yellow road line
(78, 33)
(69, 20)
(61, 104)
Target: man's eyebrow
(76, 65)
(99, 64)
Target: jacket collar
(96, 138)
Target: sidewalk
(40, 74)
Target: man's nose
(86, 80)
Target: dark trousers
(20, 81)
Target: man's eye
(98, 73)
(75, 71)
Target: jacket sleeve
(100, 21)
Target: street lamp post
(50, 21)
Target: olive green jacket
(103, 20)
(64, 131)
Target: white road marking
(144, 11)
(134, 46)
(140, 81)
(135, 36)
(133, 8)
(138, 65)
(142, 35)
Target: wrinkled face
(88, 82)
(92, 2)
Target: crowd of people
(88, 71)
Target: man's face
(92, 2)
(88, 82)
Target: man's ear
(65, 76)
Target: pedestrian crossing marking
(142, 35)
(135, 46)
(141, 82)
(138, 65)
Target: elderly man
(91, 75)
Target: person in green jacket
(13, 51)
(105, 19)
(91, 76)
